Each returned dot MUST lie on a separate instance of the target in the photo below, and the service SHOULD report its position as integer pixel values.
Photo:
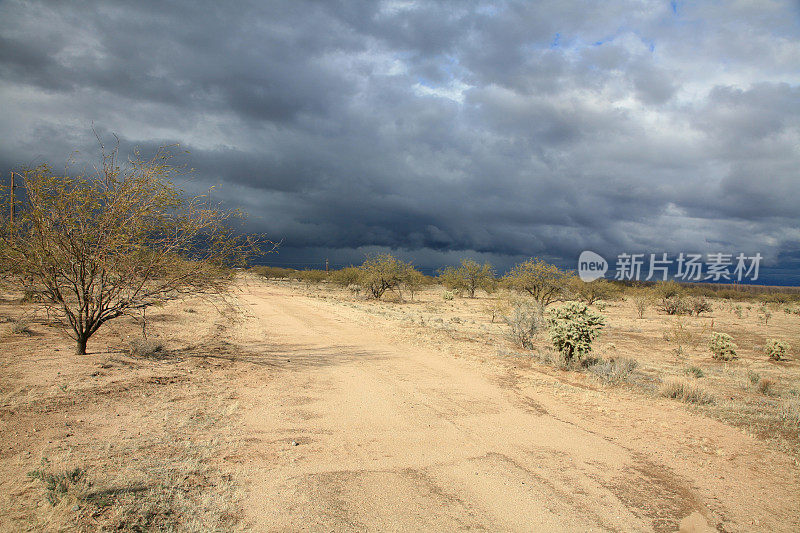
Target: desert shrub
(383, 272)
(685, 391)
(777, 350)
(679, 332)
(573, 327)
(345, 277)
(311, 276)
(722, 346)
(694, 371)
(415, 281)
(762, 385)
(729, 294)
(58, 484)
(641, 301)
(671, 298)
(765, 386)
(738, 311)
(469, 277)
(554, 359)
(699, 305)
(30, 294)
(667, 289)
(20, 327)
(274, 272)
(499, 307)
(764, 314)
(593, 291)
(614, 371)
(789, 411)
(675, 305)
(776, 298)
(524, 322)
(448, 295)
(138, 347)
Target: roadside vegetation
(694, 343)
(89, 255)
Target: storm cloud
(498, 130)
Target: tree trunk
(81, 345)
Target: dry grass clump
(765, 386)
(173, 493)
(20, 327)
(789, 411)
(58, 485)
(694, 371)
(686, 391)
(614, 371)
(138, 347)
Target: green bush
(59, 484)
(346, 276)
(415, 281)
(546, 283)
(274, 272)
(694, 371)
(594, 291)
(311, 276)
(573, 327)
(384, 272)
(469, 277)
(777, 350)
(722, 346)
(667, 289)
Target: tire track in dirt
(396, 437)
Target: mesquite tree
(383, 272)
(546, 283)
(469, 277)
(116, 240)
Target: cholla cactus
(722, 346)
(777, 350)
(573, 327)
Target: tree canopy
(99, 245)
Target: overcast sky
(497, 130)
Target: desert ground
(298, 407)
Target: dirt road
(351, 427)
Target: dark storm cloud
(439, 129)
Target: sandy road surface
(392, 436)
